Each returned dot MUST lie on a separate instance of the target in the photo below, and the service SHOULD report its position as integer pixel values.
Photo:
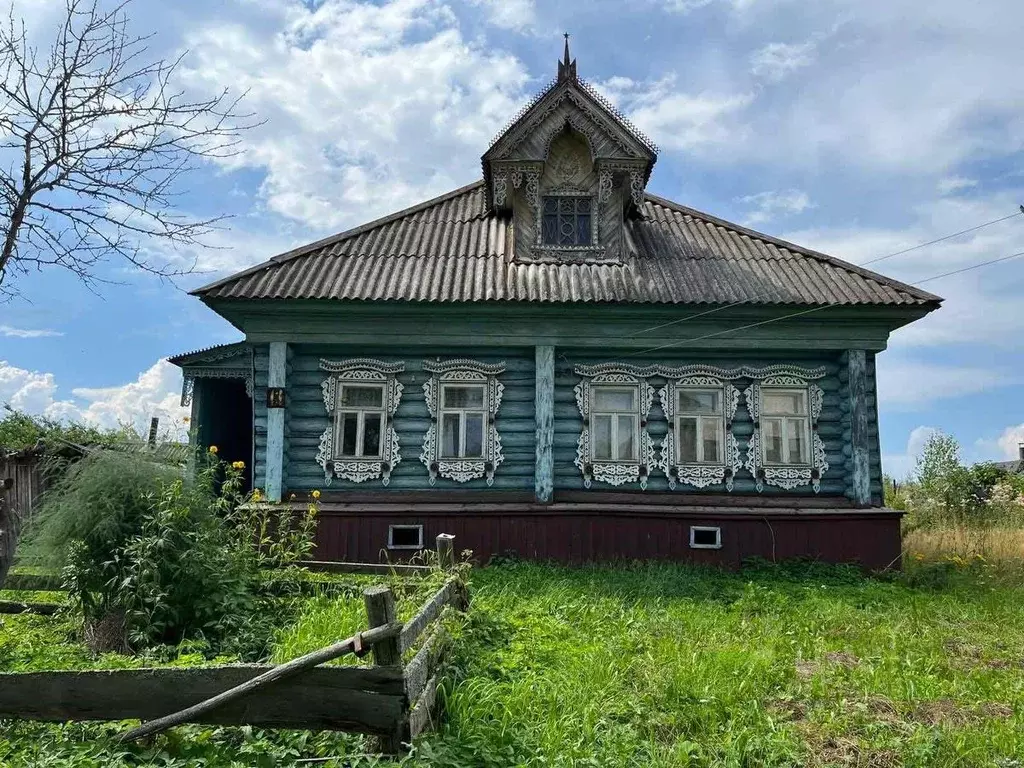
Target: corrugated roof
(450, 249)
(209, 354)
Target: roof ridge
(793, 247)
(340, 236)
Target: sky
(856, 128)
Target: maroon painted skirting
(580, 532)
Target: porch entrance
(225, 420)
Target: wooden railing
(391, 700)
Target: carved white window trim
(466, 372)
(700, 474)
(617, 472)
(361, 371)
(787, 476)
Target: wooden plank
(424, 663)
(424, 710)
(43, 609)
(430, 611)
(544, 464)
(365, 700)
(860, 422)
(276, 377)
(372, 569)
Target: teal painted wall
(568, 422)
(307, 418)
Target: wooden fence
(391, 700)
(27, 482)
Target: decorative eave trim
(343, 366)
(678, 372)
(446, 366)
(190, 375)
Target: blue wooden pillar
(544, 470)
(277, 375)
(860, 426)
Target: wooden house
(553, 362)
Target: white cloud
(771, 205)
(1009, 442)
(677, 120)
(911, 385)
(952, 184)
(368, 107)
(156, 392)
(519, 15)
(901, 465)
(26, 333)
(776, 61)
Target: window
(405, 537)
(705, 537)
(699, 448)
(463, 417)
(361, 397)
(359, 417)
(614, 423)
(614, 446)
(700, 427)
(566, 221)
(785, 448)
(462, 443)
(785, 426)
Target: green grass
(655, 666)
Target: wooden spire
(567, 66)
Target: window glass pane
(463, 397)
(784, 403)
(711, 439)
(474, 434)
(602, 438)
(567, 205)
(608, 399)
(583, 229)
(583, 205)
(371, 434)
(772, 435)
(450, 435)
(549, 227)
(550, 205)
(349, 428)
(362, 397)
(566, 230)
(700, 401)
(626, 439)
(687, 440)
(797, 439)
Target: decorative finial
(567, 66)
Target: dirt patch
(806, 668)
(788, 710)
(945, 712)
(883, 710)
(838, 750)
(842, 658)
(961, 649)
(994, 710)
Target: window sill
(573, 254)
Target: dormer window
(566, 220)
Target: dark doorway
(225, 420)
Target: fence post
(445, 551)
(380, 611)
(9, 529)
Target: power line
(863, 264)
(816, 309)
(943, 239)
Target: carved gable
(568, 168)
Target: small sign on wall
(275, 397)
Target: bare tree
(94, 139)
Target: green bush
(152, 558)
(19, 431)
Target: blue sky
(858, 128)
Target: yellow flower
(256, 495)
(238, 465)
(316, 494)
(919, 557)
(214, 449)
